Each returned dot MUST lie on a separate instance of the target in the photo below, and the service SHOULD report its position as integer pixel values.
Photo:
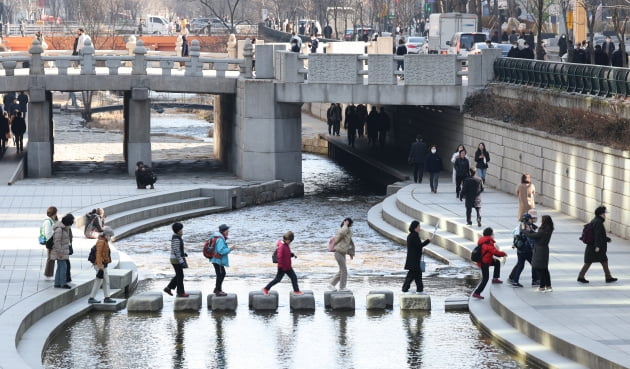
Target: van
(155, 24)
(462, 42)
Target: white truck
(155, 25)
(442, 27)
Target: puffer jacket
(488, 250)
(343, 241)
(221, 247)
(284, 256)
(102, 253)
(62, 240)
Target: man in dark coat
(329, 118)
(351, 124)
(414, 255)
(372, 126)
(362, 114)
(527, 52)
(383, 127)
(417, 155)
(23, 103)
(462, 170)
(562, 45)
(596, 251)
(471, 191)
(600, 56)
(617, 59)
(18, 127)
(4, 133)
(337, 119)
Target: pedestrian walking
(433, 165)
(18, 127)
(524, 250)
(95, 221)
(330, 118)
(540, 257)
(178, 260)
(488, 252)
(525, 193)
(185, 50)
(462, 171)
(62, 236)
(284, 264)
(103, 258)
(417, 155)
(414, 255)
(383, 127)
(337, 119)
(454, 157)
(471, 191)
(343, 245)
(351, 124)
(372, 126)
(221, 260)
(481, 159)
(595, 252)
(47, 230)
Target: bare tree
(221, 9)
(565, 6)
(590, 7)
(620, 23)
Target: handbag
(274, 256)
(50, 243)
(70, 250)
(423, 265)
(331, 244)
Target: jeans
(433, 180)
(178, 280)
(481, 172)
(342, 275)
(219, 270)
(61, 273)
(485, 274)
(98, 282)
(414, 275)
(281, 274)
(520, 265)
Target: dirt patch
(605, 130)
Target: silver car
(416, 45)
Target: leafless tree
(565, 6)
(620, 23)
(222, 9)
(590, 7)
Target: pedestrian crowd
(13, 121)
(358, 123)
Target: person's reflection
(178, 355)
(220, 359)
(412, 323)
(344, 339)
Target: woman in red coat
(284, 264)
(488, 251)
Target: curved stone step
(146, 224)
(136, 214)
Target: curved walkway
(587, 323)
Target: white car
(417, 45)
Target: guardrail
(588, 79)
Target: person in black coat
(144, 176)
(351, 124)
(417, 155)
(414, 254)
(540, 256)
(18, 127)
(514, 51)
(601, 58)
(372, 126)
(562, 45)
(383, 127)
(617, 59)
(527, 52)
(471, 191)
(433, 165)
(4, 132)
(596, 252)
(462, 170)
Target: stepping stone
(147, 301)
(118, 305)
(119, 279)
(342, 301)
(456, 303)
(302, 302)
(260, 293)
(190, 303)
(264, 302)
(415, 302)
(327, 295)
(226, 303)
(375, 301)
(389, 296)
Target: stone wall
(570, 175)
(270, 191)
(315, 145)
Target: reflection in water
(283, 339)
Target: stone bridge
(257, 113)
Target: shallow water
(283, 339)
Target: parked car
(505, 49)
(199, 25)
(348, 35)
(462, 42)
(417, 45)
(478, 46)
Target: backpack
(42, 237)
(274, 256)
(92, 256)
(208, 248)
(587, 234)
(475, 255)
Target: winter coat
(18, 126)
(462, 167)
(601, 241)
(177, 250)
(4, 126)
(103, 254)
(488, 250)
(343, 241)
(540, 257)
(480, 162)
(433, 163)
(417, 153)
(471, 191)
(284, 256)
(221, 247)
(62, 241)
(414, 250)
(525, 193)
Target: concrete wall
(570, 175)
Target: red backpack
(208, 248)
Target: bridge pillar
(40, 131)
(138, 128)
(267, 134)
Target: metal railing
(588, 79)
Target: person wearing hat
(62, 236)
(103, 257)
(524, 250)
(178, 261)
(596, 251)
(221, 260)
(284, 264)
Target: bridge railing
(141, 62)
(588, 79)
